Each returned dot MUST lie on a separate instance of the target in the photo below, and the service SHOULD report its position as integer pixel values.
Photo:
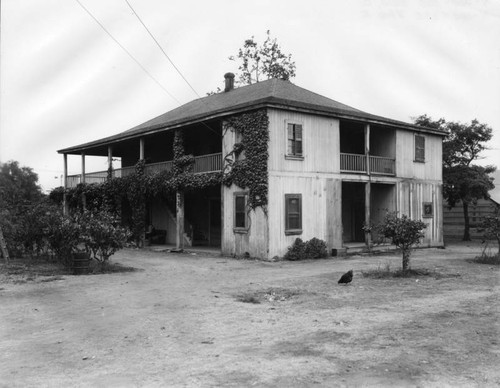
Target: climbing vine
(135, 189)
(251, 171)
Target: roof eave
(268, 102)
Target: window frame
(427, 210)
(417, 158)
(288, 229)
(240, 229)
(294, 156)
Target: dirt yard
(185, 320)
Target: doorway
(353, 211)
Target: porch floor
(196, 249)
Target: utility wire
(126, 51)
(171, 62)
(161, 48)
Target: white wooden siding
(321, 143)
(321, 212)
(254, 241)
(406, 167)
(411, 196)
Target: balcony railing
(204, 163)
(357, 164)
(382, 165)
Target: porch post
(82, 180)
(368, 186)
(179, 240)
(367, 148)
(110, 162)
(65, 184)
(141, 148)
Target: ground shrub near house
(386, 272)
(487, 258)
(312, 249)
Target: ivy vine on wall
(135, 189)
(251, 171)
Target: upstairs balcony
(355, 163)
(202, 164)
(367, 149)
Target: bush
(63, 235)
(403, 232)
(312, 249)
(490, 226)
(102, 234)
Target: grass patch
(248, 298)
(107, 267)
(387, 273)
(487, 259)
(273, 294)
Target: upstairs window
(293, 213)
(240, 212)
(419, 148)
(294, 140)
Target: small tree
(403, 232)
(102, 234)
(490, 226)
(263, 61)
(462, 180)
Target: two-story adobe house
(331, 169)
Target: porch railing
(357, 163)
(208, 163)
(382, 165)
(352, 163)
(203, 163)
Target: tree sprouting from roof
(258, 62)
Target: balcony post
(367, 147)
(368, 237)
(65, 184)
(179, 220)
(82, 180)
(141, 148)
(110, 162)
(368, 186)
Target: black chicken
(346, 278)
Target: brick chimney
(229, 82)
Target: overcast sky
(64, 81)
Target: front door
(215, 223)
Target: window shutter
(298, 139)
(419, 148)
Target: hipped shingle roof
(273, 93)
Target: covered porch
(185, 218)
(367, 149)
(364, 204)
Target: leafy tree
(20, 213)
(18, 185)
(101, 233)
(462, 180)
(403, 232)
(490, 226)
(263, 61)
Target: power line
(161, 48)
(127, 52)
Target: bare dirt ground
(179, 321)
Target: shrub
(312, 249)
(490, 226)
(296, 251)
(316, 248)
(102, 234)
(403, 232)
(63, 235)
